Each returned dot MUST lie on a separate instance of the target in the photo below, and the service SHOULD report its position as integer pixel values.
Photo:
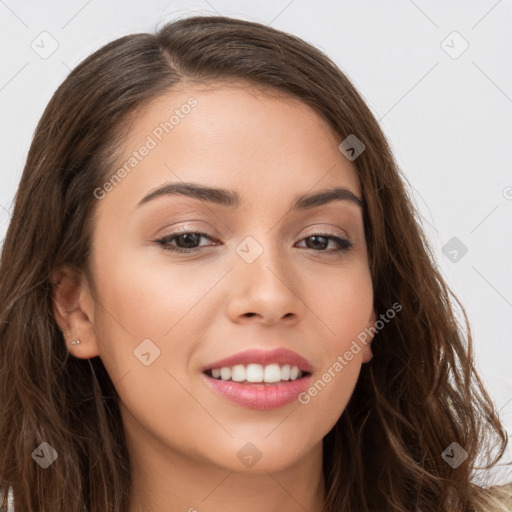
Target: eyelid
(334, 231)
(330, 230)
(183, 230)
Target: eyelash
(343, 244)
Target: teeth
(272, 373)
(257, 373)
(254, 373)
(225, 373)
(238, 373)
(285, 372)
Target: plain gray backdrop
(437, 75)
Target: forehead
(234, 136)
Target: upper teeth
(257, 373)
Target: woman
(307, 357)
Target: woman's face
(258, 281)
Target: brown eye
(185, 241)
(319, 242)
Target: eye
(182, 236)
(321, 241)
(185, 241)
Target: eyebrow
(232, 199)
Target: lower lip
(260, 396)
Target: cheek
(343, 302)
(323, 403)
(145, 317)
(149, 312)
(144, 298)
(344, 310)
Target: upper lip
(279, 356)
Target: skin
(182, 437)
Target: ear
(73, 308)
(367, 349)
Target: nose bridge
(262, 257)
(264, 283)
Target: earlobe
(72, 309)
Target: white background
(449, 120)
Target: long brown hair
(419, 394)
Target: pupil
(316, 238)
(186, 237)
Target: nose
(266, 289)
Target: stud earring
(75, 342)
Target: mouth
(253, 373)
(260, 379)
(262, 395)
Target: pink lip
(259, 396)
(280, 356)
